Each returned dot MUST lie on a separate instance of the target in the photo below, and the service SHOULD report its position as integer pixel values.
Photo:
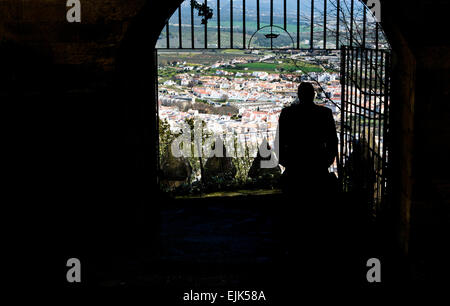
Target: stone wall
(402, 111)
(421, 143)
(43, 24)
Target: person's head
(306, 93)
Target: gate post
(341, 132)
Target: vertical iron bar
(381, 119)
(342, 137)
(374, 132)
(271, 23)
(311, 43)
(349, 98)
(325, 24)
(155, 83)
(351, 21)
(231, 24)
(365, 92)
(167, 35)
(243, 21)
(206, 28)
(361, 117)
(218, 24)
(355, 88)
(192, 27)
(353, 93)
(376, 35)
(257, 15)
(284, 15)
(271, 13)
(298, 24)
(180, 35)
(386, 124)
(338, 22)
(357, 106)
(370, 131)
(364, 26)
(347, 101)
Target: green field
(209, 57)
(205, 57)
(286, 66)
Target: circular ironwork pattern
(271, 36)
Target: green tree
(166, 137)
(197, 163)
(242, 164)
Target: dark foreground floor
(250, 243)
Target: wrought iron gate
(364, 124)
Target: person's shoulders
(289, 109)
(299, 107)
(324, 109)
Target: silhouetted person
(360, 171)
(308, 146)
(308, 143)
